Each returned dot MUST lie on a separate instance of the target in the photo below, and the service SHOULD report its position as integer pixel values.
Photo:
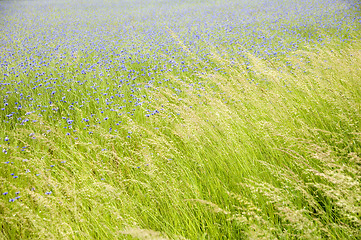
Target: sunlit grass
(268, 149)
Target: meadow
(180, 119)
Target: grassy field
(232, 144)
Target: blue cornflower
(5, 193)
(6, 139)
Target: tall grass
(269, 149)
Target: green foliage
(271, 153)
